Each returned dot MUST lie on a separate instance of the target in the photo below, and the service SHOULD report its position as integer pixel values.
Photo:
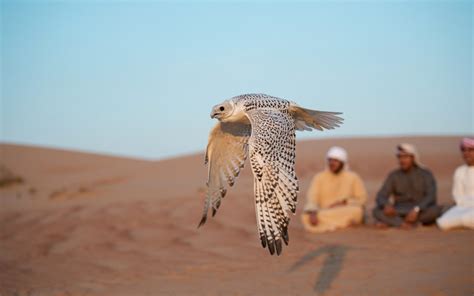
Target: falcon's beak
(215, 112)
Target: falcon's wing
(226, 152)
(272, 157)
(306, 119)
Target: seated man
(336, 196)
(462, 214)
(408, 195)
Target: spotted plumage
(262, 128)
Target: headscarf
(337, 153)
(467, 143)
(405, 148)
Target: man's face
(406, 161)
(335, 165)
(468, 155)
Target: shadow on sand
(332, 265)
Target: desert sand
(75, 223)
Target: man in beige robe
(336, 196)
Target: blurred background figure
(336, 196)
(462, 214)
(408, 195)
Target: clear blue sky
(139, 79)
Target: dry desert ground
(75, 223)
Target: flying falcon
(262, 128)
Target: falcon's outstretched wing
(307, 119)
(272, 157)
(226, 152)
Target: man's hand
(313, 218)
(389, 211)
(339, 203)
(412, 217)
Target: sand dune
(85, 224)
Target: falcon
(262, 128)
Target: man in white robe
(462, 214)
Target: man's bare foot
(407, 226)
(353, 224)
(313, 218)
(381, 225)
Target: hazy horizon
(139, 79)
(202, 150)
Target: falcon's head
(223, 111)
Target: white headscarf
(411, 150)
(337, 153)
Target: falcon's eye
(221, 108)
